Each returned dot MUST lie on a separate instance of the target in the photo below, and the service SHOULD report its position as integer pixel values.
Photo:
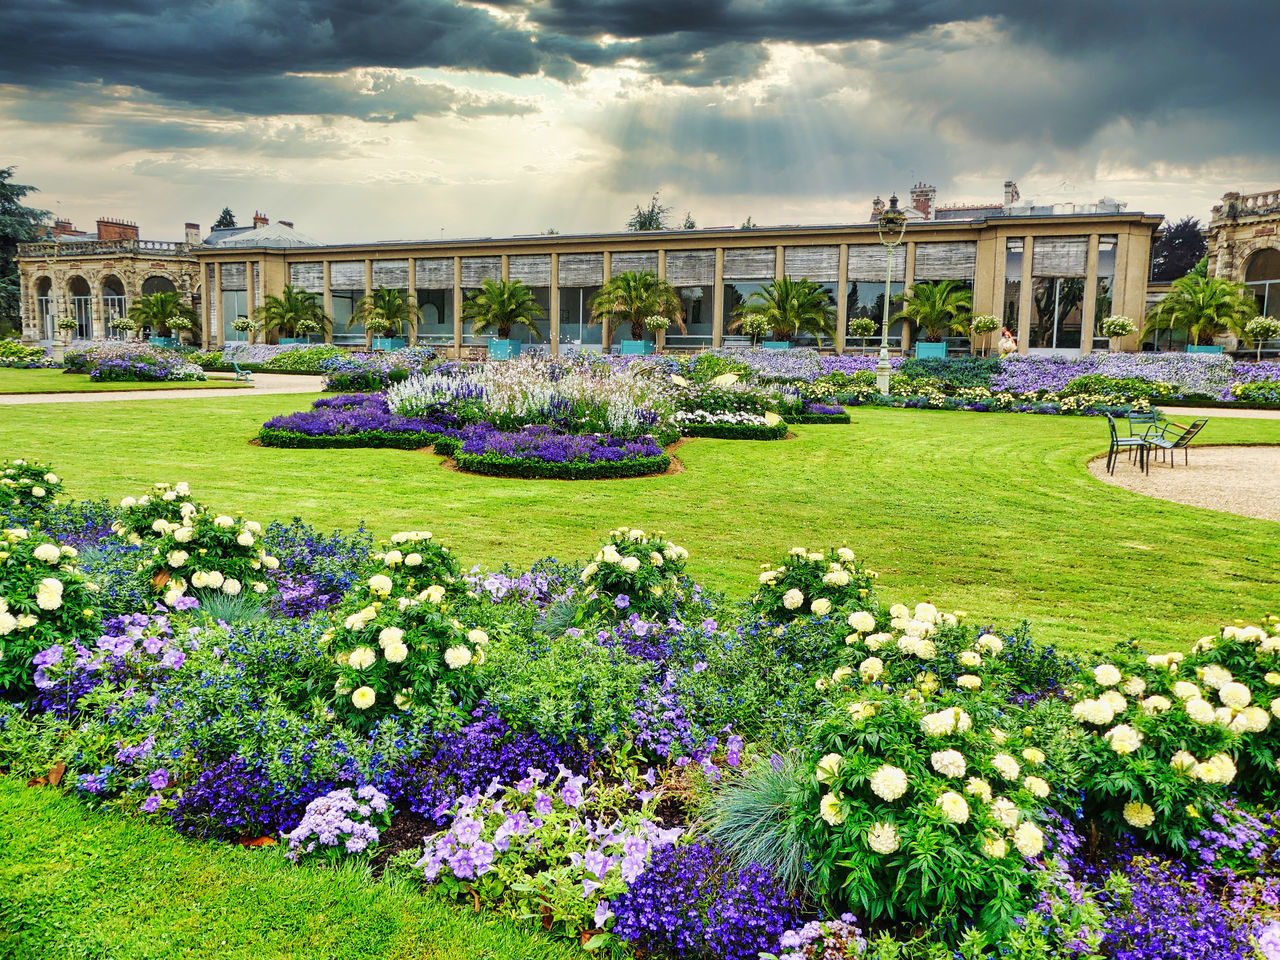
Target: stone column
(506, 267)
(206, 303)
(220, 334)
(717, 302)
(326, 278)
(1024, 299)
(606, 276)
(553, 308)
(457, 307)
(842, 299)
(412, 294)
(1089, 309)
(98, 324)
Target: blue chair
(1118, 443)
(1168, 440)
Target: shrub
(494, 465)
(813, 583)
(952, 373)
(1118, 389)
(1115, 327)
(734, 431)
(397, 440)
(27, 487)
(44, 602)
(14, 354)
(303, 358)
(363, 381)
(340, 824)
(149, 517)
(1261, 392)
(633, 572)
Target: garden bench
(240, 373)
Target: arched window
(157, 285)
(114, 304)
(44, 307)
(80, 301)
(1262, 276)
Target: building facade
(1244, 245)
(1050, 276)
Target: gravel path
(263, 383)
(1243, 480)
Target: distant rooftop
(262, 233)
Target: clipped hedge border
(735, 431)
(268, 437)
(820, 418)
(493, 465)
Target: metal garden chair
(1132, 444)
(1166, 440)
(1141, 424)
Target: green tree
(938, 307)
(500, 306)
(633, 299)
(789, 308)
(653, 217)
(688, 222)
(1203, 307)
(1177, 249)
(386, 311)
(225, 219)
(163, 312)
(18, 224)
(294, 313)
(748, 224)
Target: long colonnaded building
(1050, 273)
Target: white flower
(1185, 691)
(991, 643)
(1107, 675)
(630, 564)
(388, 636)
(1183, 762)
(831, 809)
(362, 658)
(1252, 720)
(477, 637)
(1006, 766)
(1201, 711)
(49, 594)
(380, 585)
(949, 763)
(38, 492)
(183, 534)
(214, 579)
(1124, 739)
(859, 711)
(1115, 700)
(363, 698)
(271, 563)
(259, 587)
(393, 558)
(1235, 695)
(846, 555)
(1033, 756)
(1156, 704)
(1215, 676)
(1139, 815)
(836, 578)
(245, 539)
(231, 586)
(883, 838)
(1036, 786)
(434, 593)
(977, 787)
(396, 652)
(792, 599)
(177, 558)
(954, 807)
(968, 681)
(656, 558)
(1219, 768)
(926, 612)
(829, 767)
(970, 658)
(1028, 840)
(360, 619)
(820, 607)
(457, 657)
(224, 522)
(898, 611)
(1135, 686)
(870, 669)
(862, 621)
(172, 596)
(888, 782)
(1093, 711)
(994, 845)
(47, 553)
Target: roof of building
(265, 235)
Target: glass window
(235, 304)
(866, 300)
(1056, 313)
(436, 323)
(576, 330)
(344, 307)
(1013, 251)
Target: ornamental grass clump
(44, 601)
(551, 848)
(205, 554)
(343, 823)
(813, 583)
(27, 487)
(634, 572)
(399, 643)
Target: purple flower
(542, 805)
(622, 601)
(159, 779)
(151, 804)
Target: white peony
(977, 787)
(862, 621)
(49, 594)
(829, 767)
(47, 553)
(1036, 786)
(1006, 766)
(954, 807)
(183, 534)
(1201, 711)
(413, 560)
(831, 809)
(1124, 739)
(1185, 691)
(224, 522)
(630, 564)
(1235, 695)
(231, 586)
(1028, 840)
(177, 558)
(1156, 704)
(393, 558)
(820, 607)
(396, 652)
(1107, 675)
(245, 539)
(380, 585)
(362, 658)
(968, 681)
(477, 637)
(389, 635)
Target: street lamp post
(891, 224)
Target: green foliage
(303, 358)
(1260, 329)
(630, 298)
(954, 373)
(496, 465)
(292, 313)
(226, 219)
(270, 437)
(750, 815)
(813, 583)
(862, 327)
(386, 311)
(27, 487)
(14, 354)
(1118, 327)
(1118, 389)
(735, 431)
(653, 217)
(634, 572)
(1260, 392)
(164, 311)
(499, 306)
(938, 308)
(44, 600)
(704, 367)
(18, 224)
(146, 518)
(790, 308)
(363, 381)
(1202, 308)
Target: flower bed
(630, 762)
(731, 426)
(356, 420)
(537, 452)
(133, 361)
(815, 412)
(14, 354)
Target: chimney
(193, 234)
(109, 229)
(259, 220)
(922, 197)
(62, 228)
(877, 207)
(286, 223)
(1011, 195)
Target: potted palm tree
(937, 308)
(640, 301)
(1208, 309)
(294, 316)
(386, 312)
(500, 306)
(788, 308)
(165, 313)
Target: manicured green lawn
(995, 514)
(13, 380)
(79, 885)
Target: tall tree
(386, 311)
(748, 224)
(225, 219)
(18, 224)
(653, 217)
(1177, 250)
(688, 222)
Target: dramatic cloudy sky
(416, 118)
